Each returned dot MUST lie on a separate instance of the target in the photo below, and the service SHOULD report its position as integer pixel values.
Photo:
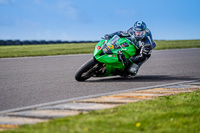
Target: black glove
(107, 37)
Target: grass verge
(81, 48)
(177, 44)
(179, 113)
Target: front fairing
(106, 52)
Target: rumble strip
(12, 119)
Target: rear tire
(86, 70)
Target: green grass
(45, 50)
(178, 44)
(169, 114)
(64, 49)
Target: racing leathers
(143, 47)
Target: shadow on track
(143, 78)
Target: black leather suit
(144, 46)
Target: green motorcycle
(108, 59)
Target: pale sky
(92, 19)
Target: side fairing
(106, 53)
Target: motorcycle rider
(142, 39)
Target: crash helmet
(139, 30)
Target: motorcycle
(108, 59)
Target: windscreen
(112, 44)
(114, 40)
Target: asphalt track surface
(35, 80)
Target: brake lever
(120, 54)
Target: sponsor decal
(98, 47)
(111, 47)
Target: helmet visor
(139, 34)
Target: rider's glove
(107, 37)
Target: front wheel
(87, 70)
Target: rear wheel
(87, 70)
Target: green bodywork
(106, 52)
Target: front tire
(87, 70)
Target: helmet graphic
(139, 30)
(139, 25)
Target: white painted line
(90, 96)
